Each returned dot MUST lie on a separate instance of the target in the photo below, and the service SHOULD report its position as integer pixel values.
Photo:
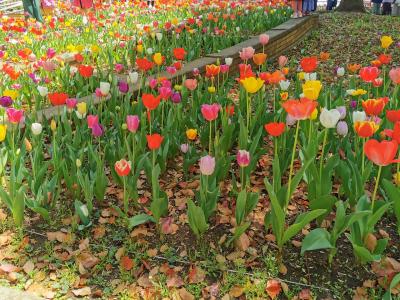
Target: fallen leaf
(196, 275)
(305, 294)
(282, 269)
(8, 268)
(99, 232)
(87, 260)
(28, 267)
(119, 253)
(273, 288)
(370, 242)
(174, 281)
(236, 291)
(243, 242)
(185, 295)
(85, 291)
(126, 263)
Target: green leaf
(317, 239)
(301, 221)
(240, 211)
(197, 220)
(395, 281)
(394, 195)
(138, 220)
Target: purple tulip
(132, 122)
(207, 165)
(184, 148)
(5, 101)
(50, 53)
(342, 110)
(34, 77)
(353, 104)
(176, 98)
(342, 128)
(123, 87)
(97, 130)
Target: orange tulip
(365, 129)
(353, 68)
(212, 70)
(300, 109)
(259, 58)
(154, 141)
(374, 107)
(381, 153)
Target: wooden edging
(282, 38)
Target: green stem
(291, 163)
(209, 139)
(322, 153)
(363, 158)
(126, 206)
(376, 188)
(242, 179)
(248, 111)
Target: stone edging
(282, 38)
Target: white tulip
(73, 70)
(84, 210)
(359, 116)
(238, 29)
(159, 36)
(350, 92)
(329, 118)
(149, 51)
(133, 77)
(36, 128)
(84, 20)
(284, 85)
(340, 72)
(310, 76)
(228, 61)
(105, 87)
(43, 91)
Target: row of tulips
(33, 63)
(287, 117)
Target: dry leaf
(196, 275)
(273, 288)
(28, 267)
(185, 295)
(236, 291)
(243, 242)
(85, 291)
(99, 232)
(370, 242)
(87, 260)
(126, 263)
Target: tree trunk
(351, 6)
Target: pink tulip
(166, 83)
(165, 92)
(264, 39)
(153, 83)
(49, 66)
(210, 111)
(282, 61)
(92, 120)
(132, 122)
(97, 130)
(191, 84)
(247, 53)
(171, 70)
(394, 75)
(184, 148)
(243, 158)
(207, 165)
(15, 116)
(50, 53)
(224, 69)
(71, 103)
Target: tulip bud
(397, 178)
(228, 61)
(36, 128)
(340, 72)
(53, 125)
(243, 158)
(105, 88)
(329, 118)
(342, 128)
(207, 165)
(43, 91)
(342, 111)
(28, 145)
(78, 163)
(124, 126)
(133, 77)
(211, 89)
(184, 148)
(359, 116)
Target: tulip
(263, 39)
(393, 115)
(275, 128)
(284, 85)
(329, 118)
(210, 111)
(159, 36)
(309, 64)
(71, 103)
(97, 130)
(153, 83)
(158, 59)
(3, 132)
(228, 61)
(15, 116)
(224, 69)
(132, 123)
(81, 110)
(212, 70)
(176, 98)
(6, 101)
(359, 116)
(184, 148)
(207, 165)
(259, 58)
(151, 102)
(247, 53)
(369, 74)
(374, 107)
(342, 128)
(57, 99)
(342, 111)
(311, 89)
(191, 134)
(92, 120)
(133, 77)
(243, 158)
(165, 92)
(191, 84)
(340, 72)
(53, 125)
(386, 41)
(365, 129)
(123, 87)
(252, 85)
(300, 109)
(382, 154)
(36, 128)
(394, 75)
(282, 61)
(105, 88)
(123, 168)
(154, 141)
(310, 76)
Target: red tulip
(309, 64)
(300, 109)
(275, 128)
(179, 53)
(212, 70)
(374, 107)
(393, 115)
(395, 133)
(144, 64)
(368, 74)
(85, 71)
(58, 98)
(154, 141)
(245, 71)
(122, 167)
(385, 59)
(150, 101)
(381, 153)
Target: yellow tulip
(300, 76)
(397, 178)
(386, 41)
(139, 48)
(175, 21)
(191, 134)
(11, 93)
(80, 48)
(311, 89)
(314, 114)
(82, 108)
(95, 49)
(358, 92)
(252, 85)
(3, 132)
(211, 89)
(53, 125)
(158, 59)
